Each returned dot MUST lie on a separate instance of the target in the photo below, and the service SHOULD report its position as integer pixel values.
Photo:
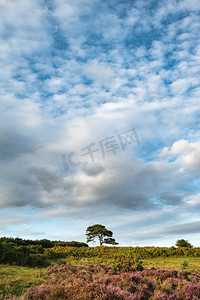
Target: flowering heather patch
(102, 282)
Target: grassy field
(15, 280)
(172, 262)
(157, 262)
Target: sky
(99, 119)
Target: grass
(172, 262)
(15, 280)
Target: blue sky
(77, 72)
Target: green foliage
(34, 260)
(35, 249)
(70, 244)
(139, 265)
(22, 256)
(44, 243)
(99, 231)
(184, 265)
(111, 254)
(53, 254)
(183, 243)
(25, 253)
(110, 241)
(127, 264)
(32, 253)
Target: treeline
(44, 243)
(32, 253)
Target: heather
(103, 282)
(75, 271)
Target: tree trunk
(101, 242)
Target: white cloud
(101, 73)
(187, 154)
(69, 79)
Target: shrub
(100, 282)
(184, 265)
(36, 260)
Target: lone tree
(183, 243)
(99, 231)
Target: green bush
(36, 260)
(184, 265)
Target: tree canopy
(183, 243)
(99, 231)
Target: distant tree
(99, 231)
(183, 243)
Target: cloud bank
(76, 73)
